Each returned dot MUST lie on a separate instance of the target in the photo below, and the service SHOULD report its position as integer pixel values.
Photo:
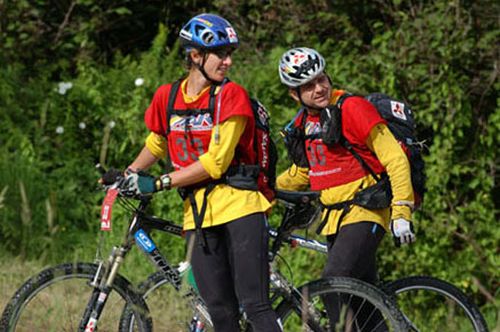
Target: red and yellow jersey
(189, 134)
(198, 141)
(332, 166)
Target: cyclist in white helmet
(335, 142)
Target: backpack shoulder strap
(211, 100)
(171, 101)
(346, 144)
(343, 98)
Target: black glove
(111, 176)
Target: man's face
(316, 93)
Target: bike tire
(347, 288)
(425, 292)
(159, 305)
(65, 306)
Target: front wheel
(57, 298)
(340, 304)
(428, 303)
(171, 309)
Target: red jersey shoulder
(359, 106)
(359, 116)
(235, 101)
(155, 116)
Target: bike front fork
(197, 325)
(102, 283)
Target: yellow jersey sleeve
(392, 157)
(294, 178)
(219, 156)
(157, 144)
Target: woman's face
(217, 63)
(316, 93)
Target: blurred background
(77, 75)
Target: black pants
(233, 272)
(352, 253)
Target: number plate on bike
(107, 207)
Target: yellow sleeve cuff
(219, 156)
(157, 144)
(401, 211)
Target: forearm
(215, 162)
(190, 175)
(220, 155)
(143, 161)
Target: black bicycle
(94, 296)
(427, 303)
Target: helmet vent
(207, 37)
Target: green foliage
(440, 56)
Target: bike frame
(138, 233)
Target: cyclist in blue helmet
(208, 33)
(207, 132)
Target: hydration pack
(402, 124)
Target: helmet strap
(201, 68)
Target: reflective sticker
(231, 34)
(91, 325)
(144, 241)
(397, 109)
(187, 35)
(298, 58)
(102, 297)
(202, 20)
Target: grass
(13, 273)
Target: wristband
(164, 182)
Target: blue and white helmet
(300, 65)
(208, 31)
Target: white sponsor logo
(322, 173)
(231, 34)
(102, 297)
(144, 240)
(397, 109)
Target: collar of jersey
(192, 99)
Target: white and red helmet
(300, 65)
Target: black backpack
(266, 151)
(402, 124)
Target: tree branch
(65, 21)
(483, 290)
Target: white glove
(137, 184)
(402, 230)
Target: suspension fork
(102, 286)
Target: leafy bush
(441, 57)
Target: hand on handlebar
(136, 184)
(132, 184)
(111, 177)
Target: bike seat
(297, 197)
